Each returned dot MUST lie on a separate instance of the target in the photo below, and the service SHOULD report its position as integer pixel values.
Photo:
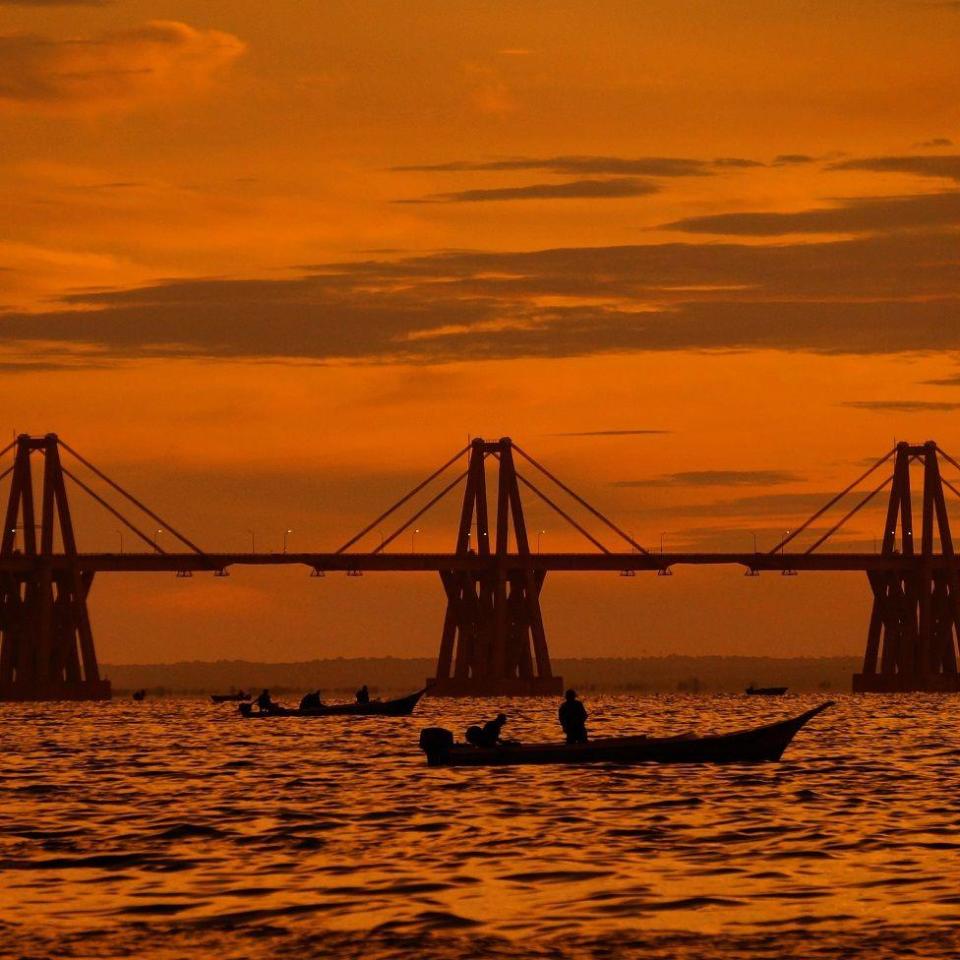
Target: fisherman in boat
(265, 704)
(573, 718)
(311, 701)
(490, 734)
(363, 695)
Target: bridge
(493, 640)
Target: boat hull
(402, 707)
(765, 691)
(762, 744)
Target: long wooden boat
(401, 707)
(746, 746)
(230, 697)
(752, 691)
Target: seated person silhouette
(363, 695)
(311, 701)
(489, 735)
(573, 718)
(265, 704)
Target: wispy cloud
(115, 70)
(940, 165)
(587, 164)
(715, 478)
(850, 215)
(789, 159)
(612, 433)
(572, 190)
(902, 406)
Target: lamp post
(156, 538)
(540, 533)
(286, 533)
(253, 541)
(413, 540)
(120, 535)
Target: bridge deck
(398, 562)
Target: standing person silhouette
(363, 695)
(573, 718)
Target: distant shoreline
(705, 674)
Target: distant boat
(401, 707)
(230, 697)
(753, 691)
(138, 695)
(765, 743)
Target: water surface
(172, 828)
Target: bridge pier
(915, 622)
(46, 642)
(493, 641)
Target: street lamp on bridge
(286, 533)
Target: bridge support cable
(153, 545)
(581, 501)
(816, 516)
(556, 508)
(129, 496)
(399, 503)
(429, 505)
(840, 523)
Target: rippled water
(173, 828)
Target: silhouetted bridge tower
(915, 622)
(493, 640)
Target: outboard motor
(434, 742)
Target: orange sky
(270, 264)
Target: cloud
(587, 165)
(715, 478)
(850, 215)
(943, 382)
(612, 433)
(573, 190)
(117, 70)
(787, 159)
(944, 165)
(786, 505)
(886, 294)
(55, 3)
(901, 406)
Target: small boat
(401, 707)
(139, 695)
(746, 746)
(230, 697)
(753, 691)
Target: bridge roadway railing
(411, 562)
